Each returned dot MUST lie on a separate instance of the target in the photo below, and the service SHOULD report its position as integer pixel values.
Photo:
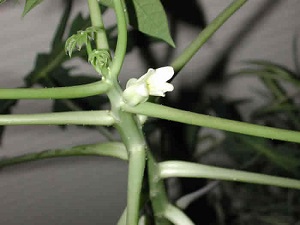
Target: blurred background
(92, 190)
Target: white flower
(154, 83)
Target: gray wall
(93, 190)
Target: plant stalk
(193, 48)
(182, 116)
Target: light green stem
(193, 48)
(132, 136)
(78, 91)
(193, 170)
(128, 127)
(176, 216)
(122, 220)
(122, 39)
(168, 113)
(113, 149)
(103, 117)
(157, 192)
(96, 18)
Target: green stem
(94, 118)
(122, 39)
(96, 19)
(157, 192)
(193, 170)
(168, 113)
(78, 91)
(176, 216)
(132, 136)
(127, 125)
(129, 128)
(192, 49)
(122, 220)
(113, 149)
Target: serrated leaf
(149, 17)
(29, 5)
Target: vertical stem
(157, 192)
(128, 127)
(122, 39)
(132, 136)
(96, 18)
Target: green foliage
(100, 59)
(177, 141)
(29, 5)
(149, 17)
(76, 41)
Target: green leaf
(80, 39)
(149, 17)
(2, 1)
(29, 5)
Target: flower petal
(162, 74)
(159, 90)
(131, 82)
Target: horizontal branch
(193, 170)
(101, 117)
(113, 149)
(71, 92)
(173, 114)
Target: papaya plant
(142, 107)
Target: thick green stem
(193, 170)
(103, 117)
(113, 149)
(122, 39)
(132, 136)
(168, 113)
(129, 129)
(192, 49)
(157, 192)
(96, 18)
(79, 91)
(122, 220)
